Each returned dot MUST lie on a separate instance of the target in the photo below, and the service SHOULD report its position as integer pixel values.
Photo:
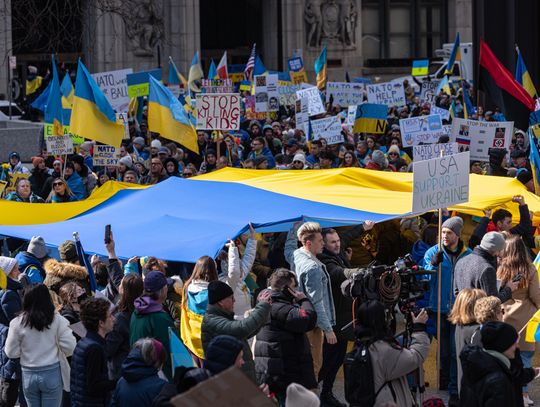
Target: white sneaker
(527, 401)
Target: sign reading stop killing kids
(59, 145)
(106, 155)
(388, 93)
(440, 182)
(218, 111)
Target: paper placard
(428, 91)
(123, 117)
(106, 156)
(428, 151)
(315, 105)
(287, 94)
(388, 93)
(113, 84)
(218, 111)
(266, 93)
(217, 86)
(59, 145)
(345, 93)
(328, 128)
(445, 114)
(440, 182)
(421, 129)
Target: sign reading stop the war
(218, 111)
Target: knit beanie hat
(378, 158)
(217, 291)
(37, 247)
(298, 395)
(221, 353)
(68, 252)
(155, 144)
(7, 264)
(126, 160)
(498, 336)
(138, 140)
(455, 224)
(36, 161)
(300, 157)
(493, 242)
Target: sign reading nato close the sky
(440, 182)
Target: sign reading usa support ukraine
(421, 129)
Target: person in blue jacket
(74, 181)
(31, 261)
(452, 250)
(259, 148)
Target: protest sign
(113, 84)
(328, 128)
(428, 151)
(176, 89)
(478, 137)
(48, 132)
(296, 70)
(236, 77)
(106, 155)
(365, 81)
(421, 129)
(218, 111)
(217, 86)
(388, 93)
(3, 185)
(251, 114)
(13, 178)
(266, 93)
(59, 145)
(351, 116)
(345, 93)
(315, 105)
(428, 92)
(440, 182)
(287, 94)
(445, 114)
(302, 114)
(138, 84)
(123, 117)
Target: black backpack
(359, 383)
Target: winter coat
(11, 303)
(139, 384)
(58, 274)
(313, 280)
(33, 198)
(31, 267)
(235, 272)
(447, 272)
(392, 364)
(117, 344)
(522, 306)
(487, 380)
(218, 321)
(282, 350)
(465, 336)
(57, 198)
(479, 270)
(265, 153)
(38, 180)
(76, 184)
(151, 320)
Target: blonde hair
(487, 309)
(307, 231)
(463, 310)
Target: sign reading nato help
(218, 111)
(440, 182)
(388, 93)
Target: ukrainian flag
(444, 86)
(33, 85)
(167, 116)
(92, 116)
(534, 158)
(455, 55)
(175, 77)
(533, 328)
(180, 356)
(259, 68)
(41, 101)
(468, 107)
(420, 67)
(68, 93)
(522, 75)
(212, 71)
(195, 74)
(452, 109)
(191, 316)
(370, 118)
(320, 69)
(53, 108)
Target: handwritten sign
(218, 111)
(302, 114)
(345, 93)
(138, 84)
(421, 129)
(266, 93)
(106, 155)
(445, 114)
(328, 128)
(287, 94)
(217, 86)
(440, 182)
(123, 117)
(388, 93)
(315, 105)
(59, 145)
(113, 84)
(428, 92)
(48, 132)
(428, 151)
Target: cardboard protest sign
(315, 105)
(478, 137)
(251, 114)
(428, 91)
(123, 117)
(113, 84)
(287, 94)
(218, 111)
(138, 84)
(445, 114)
(421, 129)
(428, 151)
(388, 93)
(296, 70)
(230, 388)
(106, 155)
(351, 116)
(302, 114)
(48, 132)
(328, 128)
(345, 93)
(217, 86)
(266, 93)
(440, 182)
(59, 145)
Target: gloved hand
(437, 259)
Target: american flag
(248, 72)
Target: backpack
(359, 382)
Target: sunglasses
(187, 174)
(55, 184)
(392, 153)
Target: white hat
(300, 157)
(298, 395)
(7, 264)
(155, 144)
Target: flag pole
(439, 274)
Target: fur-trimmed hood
(58, 274)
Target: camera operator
(391, 363)
(336, 257)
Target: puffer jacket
(59, 273)
(31, 267)
(11, 303)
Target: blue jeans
(448, 368)
(526, 358)
(42, 386)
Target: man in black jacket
(336, 257)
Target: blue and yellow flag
(41, 101)
(452, 109)
(534, 157)
(419, 67)
(455, 55)
(468, 107)
(92, 116)
(259, 68)
(370, 118)
(533, 328)
(320, 70)
(33, 84)
(180, 356)
(192, 313)
(212, 71)
(444, 85)
(195, 74)
(53, 109)
(167, 116)
(522, 75)
(68, 92)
